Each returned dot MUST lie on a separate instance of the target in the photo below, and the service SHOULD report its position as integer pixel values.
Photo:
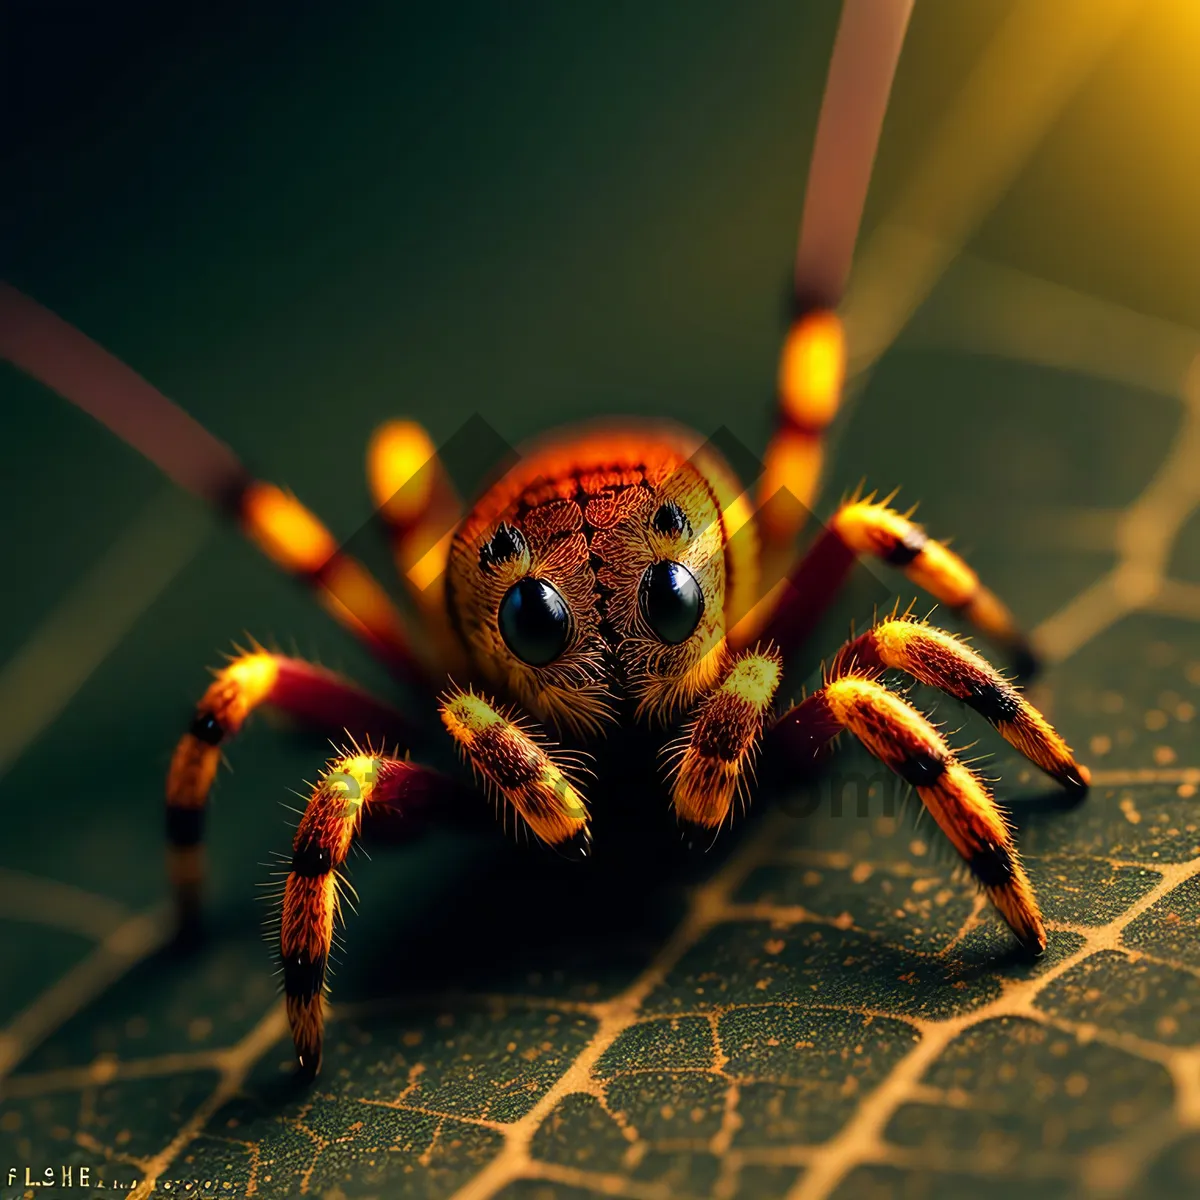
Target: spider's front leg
(711, 761)
(517, 764)
(355, 794)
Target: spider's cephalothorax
(595, 583)
(598, 567)
(610, 576)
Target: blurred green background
(300, 220)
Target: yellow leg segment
(711, 762)
(812, 367)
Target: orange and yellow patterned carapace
(560, 574)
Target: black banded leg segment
(516, 764)
(864, 527)
(711, 762)
(312, 694)
(939, 659)
(352, 792)
(957, 799)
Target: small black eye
(534, 621)
(671, 601)
(671, 521)
(507, 543)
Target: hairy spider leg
(863, 527)
(353, 791)
(420, 510)
(710, 762)
(83, 372)
(311, 693)
(938, 658)
(521, 769)
(812, 363)
(958, 800)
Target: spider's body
(609, 579)
(594, 584)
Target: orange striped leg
(957, 799)
(941, 660)
(353, 791)
(314, 695)
(517, 767)
(294, 539)
(710, 763)
(867, 528)
(812, 365)
(419, 508)
(812, 370)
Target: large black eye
(534, 621)
(671, 601)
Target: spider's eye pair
(536, 623)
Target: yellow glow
(812, 368)
(400, 487)
(736, 514)
(285, 530)
(793, 465)
(431, 565)
(752, 623)
(355, 594)
(255, 675)
(1017, 90)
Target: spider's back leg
(812, 364)
(956, 797)
(252, 679)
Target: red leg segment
(310, 693)
(867, 528)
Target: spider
(613, 576)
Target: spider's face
(596, 569)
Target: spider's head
(596, 571)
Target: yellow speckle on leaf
(1130, 810)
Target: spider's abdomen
(602, 566)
